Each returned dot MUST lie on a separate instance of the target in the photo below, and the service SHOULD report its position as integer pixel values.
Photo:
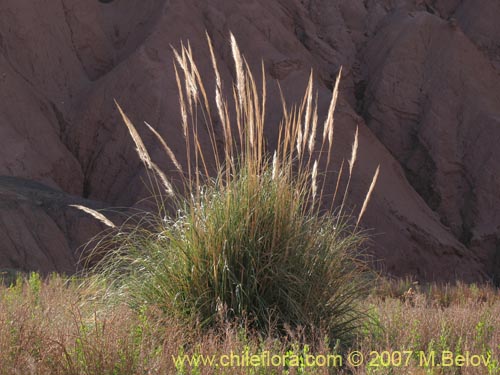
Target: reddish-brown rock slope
(421, 80)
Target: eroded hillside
(421, 80)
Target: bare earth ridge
(421, 80)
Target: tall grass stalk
(247, 238)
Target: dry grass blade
(218, 80)
(221, 105)
(252, 112)
(368, 195)
(238, 114)
(351, 162)
(309, 112)
(199, 83)
(103, 219)
(263, 93)
(182, 103)
(337, 185)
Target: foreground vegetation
(60, 326)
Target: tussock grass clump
(248, 237)
(247, 251)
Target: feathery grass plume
(240, 75)
(328, 127)
(351, 162)
(314, 176)
(103, 219)
(248, 240)
(299, 144)
(354, 152)
(188, 82)
(368, 196)
(190, 79)
(140, 147)
(143, 152)
(167, 149)
(312, 137)
(275, 166)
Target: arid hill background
(421, 79)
